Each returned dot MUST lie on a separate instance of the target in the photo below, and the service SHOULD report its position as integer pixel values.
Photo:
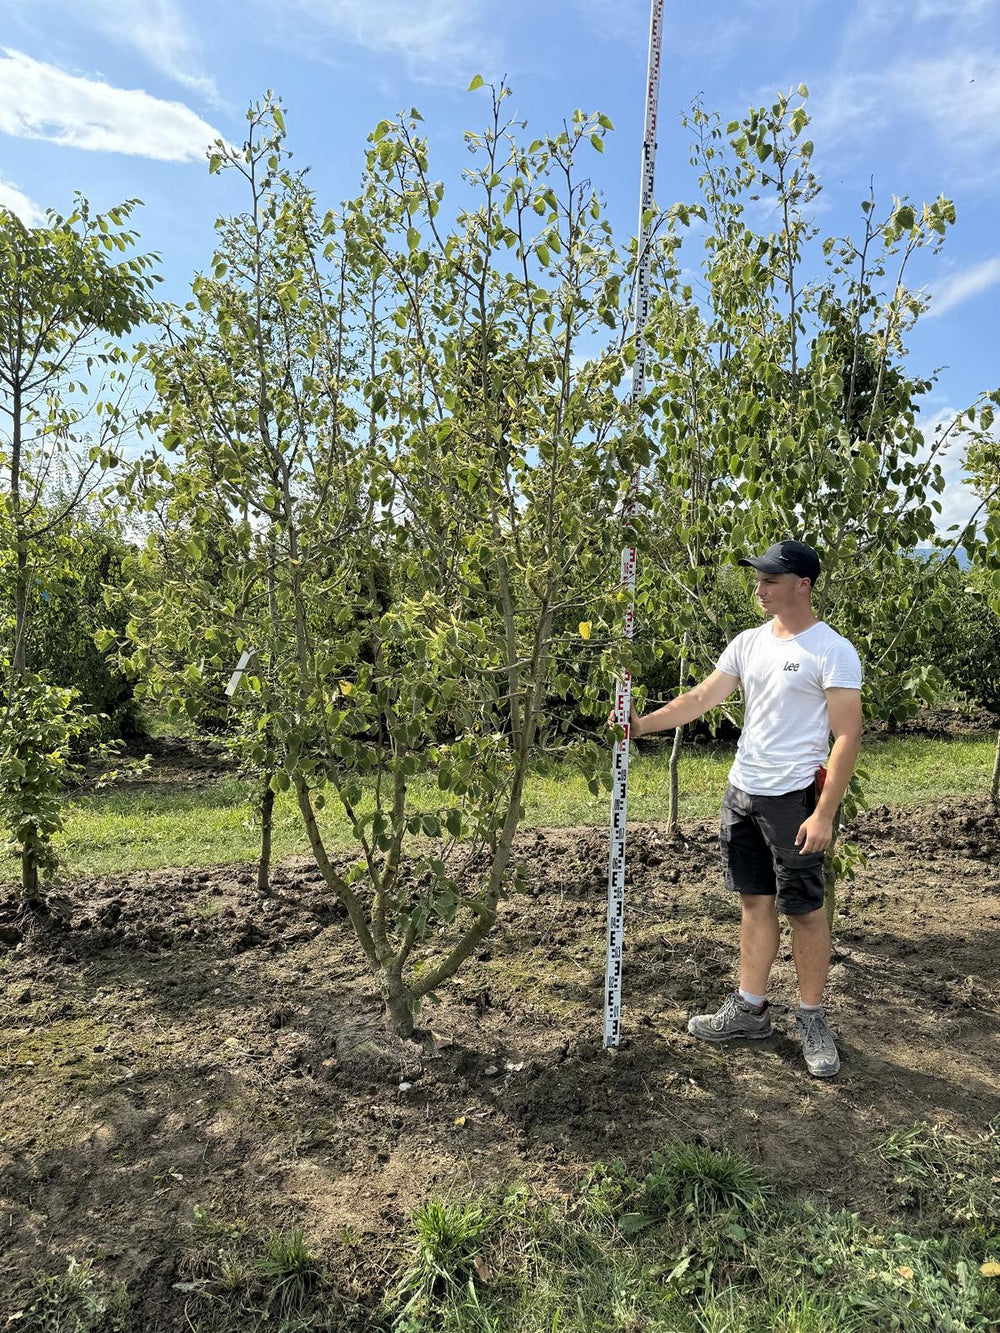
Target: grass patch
(951, 1180)
(142, 828)
(718, 1249)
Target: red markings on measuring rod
(623, 693)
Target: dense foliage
(70, 292)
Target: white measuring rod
(623, 691)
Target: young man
(801, 681)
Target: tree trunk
(29, 878)
(30, 891)
(266, 825)
(22, 577)
(829, 876)
(399, 1005)
(673, 820)
(19, 663)
(995, 784)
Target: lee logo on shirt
(791, 666)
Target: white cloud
(44, 102)
(965, 11)
(958, 288)
(955, 96)
(442, 41)
(16, 201)
(155, 28)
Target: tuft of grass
(446, 1243)
(685, 1181)
(700, 1182)
(288, 1272)
(247, 1284)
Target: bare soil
(170, 1040)
(939, 721)
(179, 761)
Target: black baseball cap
(786, 558)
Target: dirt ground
(171, 1040)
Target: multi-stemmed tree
(400, 436)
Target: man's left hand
(814, 835)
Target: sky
(120, 98)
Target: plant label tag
(237, 675)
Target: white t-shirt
(786, 727)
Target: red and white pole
(623, 691)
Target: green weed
(71, 1302)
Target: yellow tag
(905, 1271)
(584, 628)
(991, 1269)
(346, 687)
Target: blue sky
(120, 97)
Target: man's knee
(810, 923)
(758, 905)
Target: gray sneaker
(735, 1019)
(818, 1046)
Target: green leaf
(279, 119)
(905, 217)
(598, 142)
(477, 82)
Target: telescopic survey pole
(623, 690)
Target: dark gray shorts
(759, 856)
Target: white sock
(809, 1008)
(755, 1000)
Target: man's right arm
(709, 693)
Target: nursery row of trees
(384, 449)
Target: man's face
(779, 593)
